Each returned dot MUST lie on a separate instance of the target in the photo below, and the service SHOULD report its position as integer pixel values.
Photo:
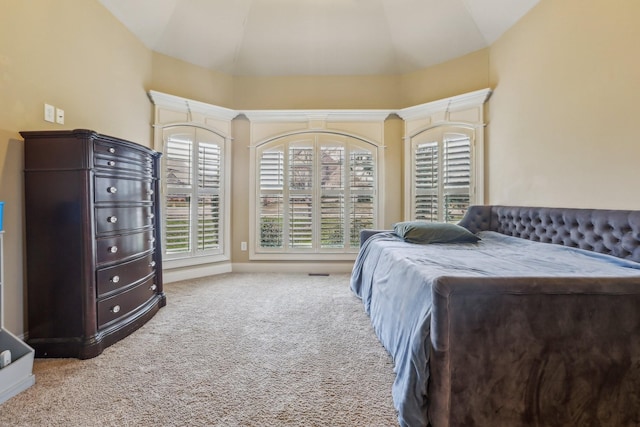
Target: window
(194, 192)
(442, 171)
(314, 193)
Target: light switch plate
(49, 113)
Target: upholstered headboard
(612, 232)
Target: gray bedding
(394, 280)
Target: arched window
(194, 192)
(443, 169)
(444, 157)
(314, 192)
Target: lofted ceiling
(317, 37)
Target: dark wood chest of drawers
(94, 267)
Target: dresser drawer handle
(115, 309)
(112, 219)
(152, 264)
(153, 287)
(111, 163)
(112, 190)
(115, 279)
(152, 240)
(113, 249)
(151, 216)
(112, 150)
(150, 193)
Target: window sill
(193, 261)
(308, 256)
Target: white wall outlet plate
(60, 116)
(49, 113)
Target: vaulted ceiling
(317, 37)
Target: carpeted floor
(230, 350)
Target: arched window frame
(195, 169)
(442, 173)
(316, 251)
(432, 121)
(172, 112)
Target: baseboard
(195, 272)
(303, 267)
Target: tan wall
(465, 74)
(74, 55)
(564, 113)
(182, 79)
(240, 189)
(317, 92)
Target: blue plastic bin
(1, 214)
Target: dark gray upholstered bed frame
(544, 351)
(611, 232)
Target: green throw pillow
(433, 232)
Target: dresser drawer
(117, 166)
(111, 279)
(120, 247)
(121, 305)
(112, 190)
(106, 150)
(112, 219)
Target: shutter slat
(177, 218)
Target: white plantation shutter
(194, 177)
(177, 216)
(328, 197)
(362, 190)
(332, 205)
(456, 175)
(300, 220)
(442, 175)
(271, 198)
(178, 158)
(457, 161)
(209, 181)
(426, 181)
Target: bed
(535, 324)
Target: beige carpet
(231, 350)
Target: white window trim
(462, 111)
(256, 253)
(436, 134)
(370, 129)
(187, 259)
(198, 115)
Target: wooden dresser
(94, 268)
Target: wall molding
(454, 103)
(270, 116)
(189, 105)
